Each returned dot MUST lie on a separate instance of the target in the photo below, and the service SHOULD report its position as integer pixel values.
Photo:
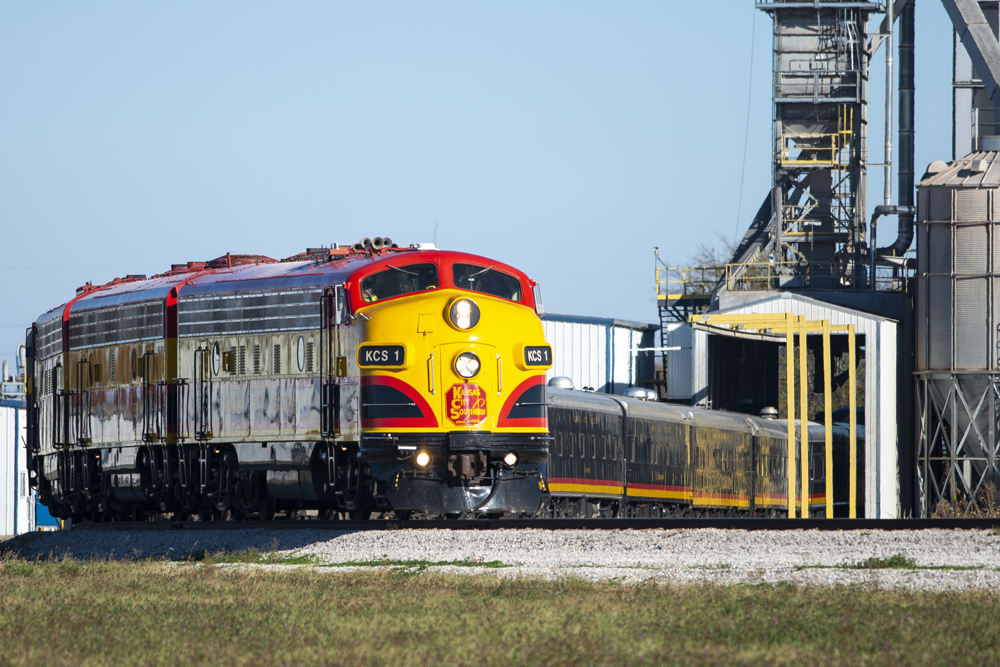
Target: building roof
(975, 170)
(813, 309)
(601, 321)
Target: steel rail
(559, 524)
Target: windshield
(487, 280)
(398, 280)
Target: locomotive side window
(397, 280)
(487, 280)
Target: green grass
(418, 565)
(894, 562)
(156, 613)
(257, 557)
(249, 557)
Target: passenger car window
(487, 280)
(398, 280)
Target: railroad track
(557, 524)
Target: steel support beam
(877, 38)
(970, 23)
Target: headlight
(467, 364)
(464, 313)
(422, 459)
(510, 459)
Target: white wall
(686, 380)
(593, 355)
(17, 500)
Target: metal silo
(957, 313)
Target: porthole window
(300, 353)
(216, 359)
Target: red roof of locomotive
(314, 268)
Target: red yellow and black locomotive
(349, 380)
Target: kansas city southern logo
(466, 404)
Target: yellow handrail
(833, 149)
(690, 282)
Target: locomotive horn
(357, 247)
(377, 243)
(386, 242)
(366, 243)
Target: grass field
(154, 613)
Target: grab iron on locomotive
(348, 380)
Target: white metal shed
(17, 499)
(882, 498)
(605, 354)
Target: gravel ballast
(943, 559)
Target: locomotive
(346, 380)
(619, 456)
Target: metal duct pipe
(904, 198)
(887, 190)
(873, 227)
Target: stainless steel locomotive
(348, 380)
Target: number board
(381, 355)
(537, 355)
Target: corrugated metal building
(604, 354)
(686, 382)
(880, 338)
(17, 499)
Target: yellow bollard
(852, 390)
(803, 417)
(828, 422)
(790, 412)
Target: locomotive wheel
(361, 514)
(266, 508)
(329, 515)
(403, 515)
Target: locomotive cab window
(487, 280)
(397, 280)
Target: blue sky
(565, 138)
